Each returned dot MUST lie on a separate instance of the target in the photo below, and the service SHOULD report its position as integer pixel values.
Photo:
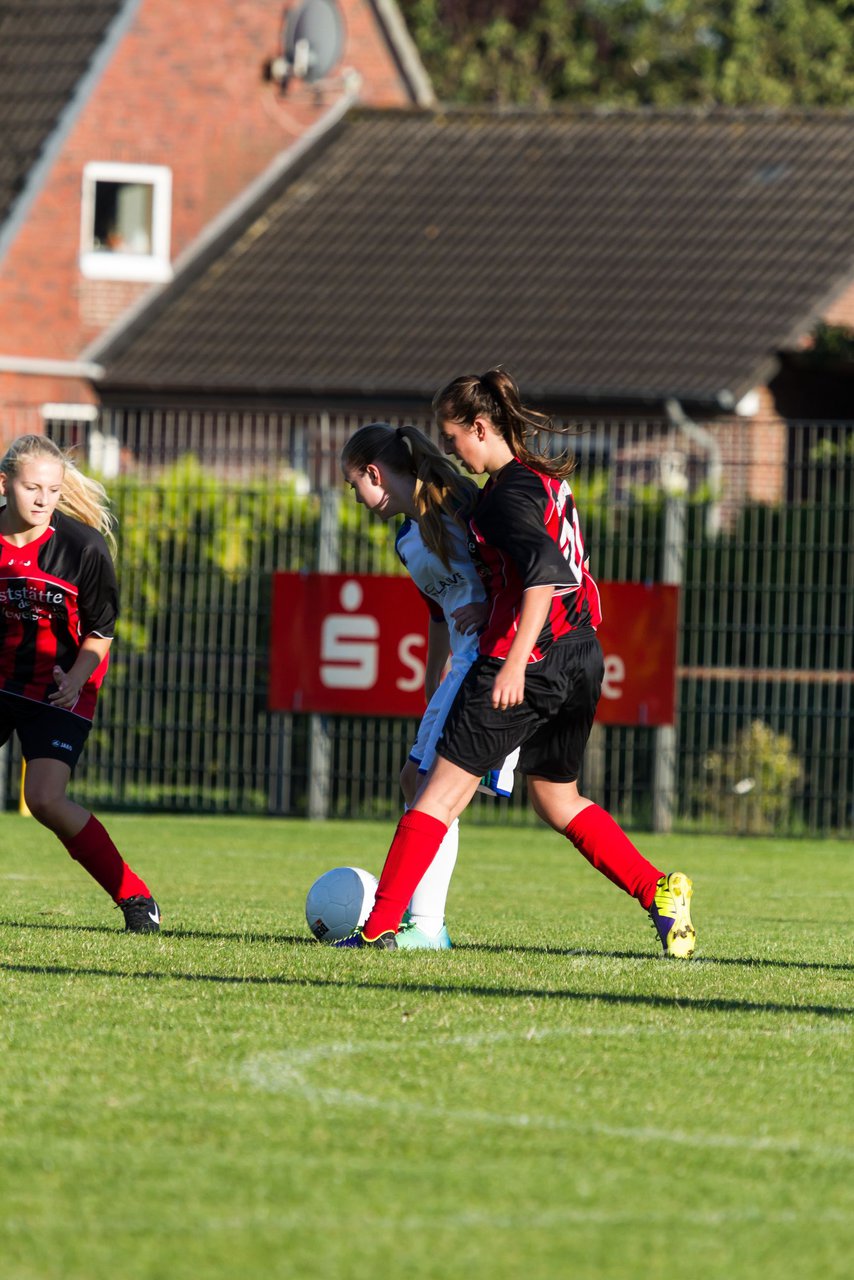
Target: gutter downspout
(678, 418)
(37, 367)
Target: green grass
(549, 1099)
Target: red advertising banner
(356, 644)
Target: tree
(630, 53)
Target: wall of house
(767, 435)
(22, 397)
(842, 311)
(753, 456)
(185, 89)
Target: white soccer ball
(339, 902)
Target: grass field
(231, 1099)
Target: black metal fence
(210, 504)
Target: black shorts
(552, 724)
(45, 732)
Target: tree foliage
(630, 53)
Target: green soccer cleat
(670, 915)
(411, 938)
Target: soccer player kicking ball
(536, 682)
(58, 606)
(399, 471)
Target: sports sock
(95, 851)
(413, 848)
(607, 847)
(427, 908)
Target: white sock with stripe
(427, 908)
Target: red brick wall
(184, 89)
(753, 457)
(21, 398)
(768, 436)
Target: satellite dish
(313, 39)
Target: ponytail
(83, 498)
(495, 395)
(438, 488)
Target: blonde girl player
(538, 676)
(58, 606)
(399, 471)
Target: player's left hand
(67, 690)
(470, 617)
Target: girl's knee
(42, 805)
(45, 784)
(44, 801)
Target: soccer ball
(339, 902)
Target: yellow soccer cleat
(670, 913)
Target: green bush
(747, 787)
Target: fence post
(5, 766)
(672, 571)
(320, 735)
(280, 748)
(593, 766)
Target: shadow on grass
(249, 935)
(432, 988)
(749, 962)
(302, 940)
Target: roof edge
(219, 232)
(83, 90)
(722, 401)
(405, 51)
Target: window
(125, 222)
(77, 427)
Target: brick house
(127, 127)
(670, 266)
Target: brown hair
(439, 489)
(83, 498)
(495, 395)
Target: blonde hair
(82, 498)
(438, 488)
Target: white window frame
(151, 268)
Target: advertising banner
(356, 644)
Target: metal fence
(211, 503)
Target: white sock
(427, 908)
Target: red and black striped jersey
(525, 532)
(54, 592)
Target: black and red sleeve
(514, 519)
(98, 598)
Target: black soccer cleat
(142, 915)
(383, 942)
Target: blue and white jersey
(443, 589)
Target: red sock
(607, 847)
(94, 850)
(415, 845)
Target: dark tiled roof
(45, 48)
(614, 255)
